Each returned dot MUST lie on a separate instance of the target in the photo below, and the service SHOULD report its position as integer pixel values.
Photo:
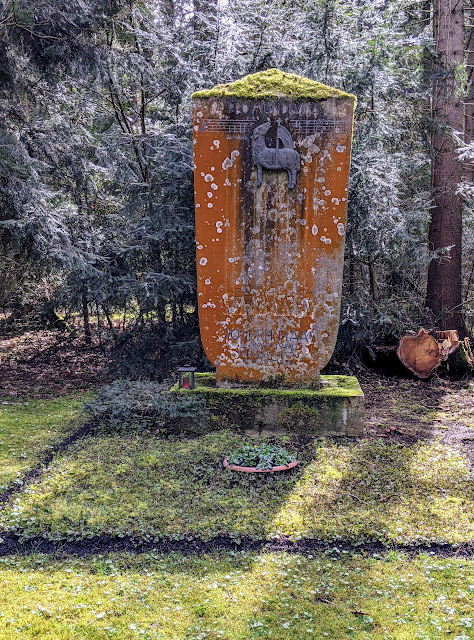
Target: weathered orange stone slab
(271, 183)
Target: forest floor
(45, 364)
(107, 534)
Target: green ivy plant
(261, 456)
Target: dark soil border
(11, 545)
(44, 462)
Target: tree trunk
(469, 103)
(352, 274)
(85, 317)
(374, 290)
(443, 294)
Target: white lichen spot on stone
(227, 182)
(213, 168)
(340, 148)
(203, 261)
(229, 162)
(340, 229)
(207, 281)
(197, 205)
(209, 194)
(314, 230)
(199, 114)
(327, 192)
(209, 205)
(214, 186)
(338, 169)
(208, 177)
(216, 143)
(219, 230)
(335, 201)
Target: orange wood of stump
(270, 258)
(423, 352)
(420, 353)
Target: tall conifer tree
(443, 294)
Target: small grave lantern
(186, 377)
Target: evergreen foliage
(96, 193)
(126, 404)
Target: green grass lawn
(237, 596)
(152, 488)
(28, 428)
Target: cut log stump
(423, 352)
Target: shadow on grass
(147, 490)
(394, 490)
(150, 489)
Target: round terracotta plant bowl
(283, 467)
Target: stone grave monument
(271, 171)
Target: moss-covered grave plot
(336, 408)
(273, 83)
(152, 489)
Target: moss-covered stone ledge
(272, 84)
(335, 409)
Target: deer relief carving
(282, 157)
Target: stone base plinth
(335, 409)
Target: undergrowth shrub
(127, 404)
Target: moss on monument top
(273, 83)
